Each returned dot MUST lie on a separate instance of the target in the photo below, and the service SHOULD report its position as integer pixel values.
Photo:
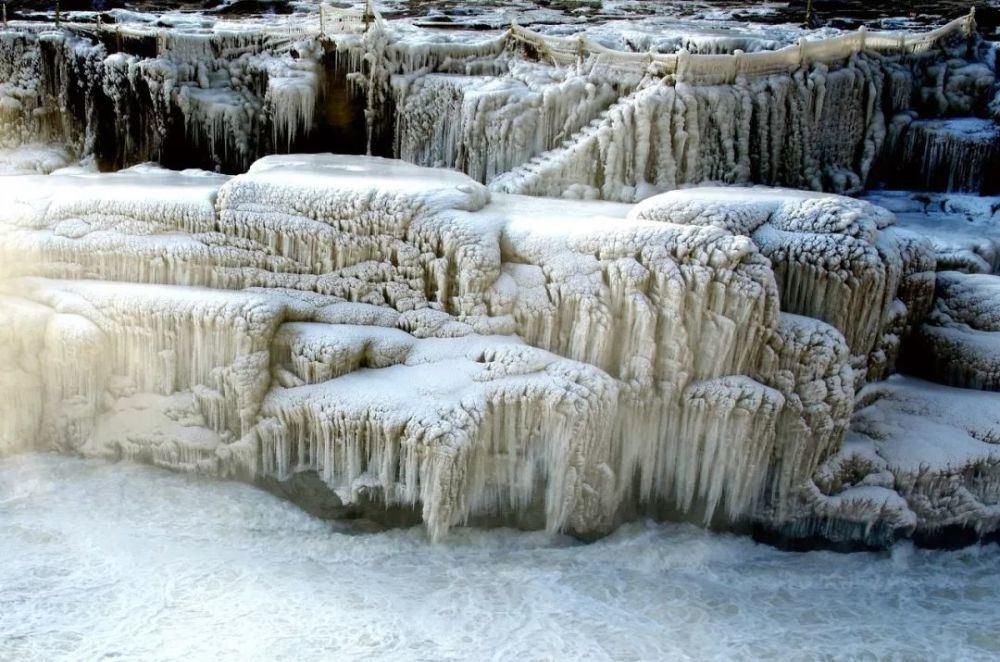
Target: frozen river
(114, 561)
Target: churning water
(118, 561)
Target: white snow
(963, 229)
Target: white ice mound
(940, 447)
(412, 341)
(836, 259)
(314, 180)
(960, 342)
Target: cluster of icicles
(414, 340)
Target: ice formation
(524, 112)
(959, 344)
(416, 341)
(443, 343)
(924, 454)
(964, 230)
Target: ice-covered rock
(941, 447)
(418, 342)
(836, 259)
(920, 460)
(959, 344)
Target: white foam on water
(122, 561)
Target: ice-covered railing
(564, 51)
(335, 20)
(560, 51)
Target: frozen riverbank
(128, 561)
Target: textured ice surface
(938, 447)
(137, 563)
(418, 341)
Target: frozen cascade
(527, 113)
(415, 341)
(945, 154)
(216, 100)
(805, 130)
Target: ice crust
(417, 341)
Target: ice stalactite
(718, 451)
(807, 361)
(215, 100)
(509, 109)
(819, 128)
(47, 85)
(22, 343)
(494, 124)
(163, 340)
(835, 259)
(415, 238)
(463, 428)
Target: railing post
(737, 64)
(322, 21)
(862, 32)
(58, 14)
(99, 25)
(970, 22)
(682, 64)
(5, 14)
(369, 16)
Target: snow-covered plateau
(549, 280)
